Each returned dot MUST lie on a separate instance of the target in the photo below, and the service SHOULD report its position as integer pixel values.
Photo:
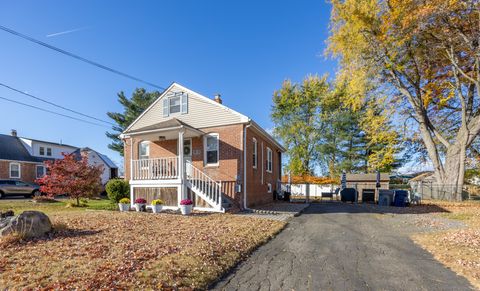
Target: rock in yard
(29, 224)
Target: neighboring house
(23, 158)
(186, 145)
(110, 170)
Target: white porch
(172, 172)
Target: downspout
(245, 166)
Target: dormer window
(49, 152)
(177, 103)
(41, 151)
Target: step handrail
(210, 188)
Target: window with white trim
(144, 150)
(49, 152)
(254, 151)
(40, 171)
(269, 188)
(211, 146)
(269, 160)
(15, 170)
(41, 151)
(178, 103)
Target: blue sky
(241, 49)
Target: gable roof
(104, 158)
(203, 112)
(12, 148)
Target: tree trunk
(454, 171)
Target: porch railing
(155, 169)
(203, 185)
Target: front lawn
(459, 249)
(113, 250)
(21, 205)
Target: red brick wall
(257, 190)
(27, 172)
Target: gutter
(245, 166)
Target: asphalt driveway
(334, 246)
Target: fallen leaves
(111, 250)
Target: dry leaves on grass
(132, 250)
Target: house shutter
(184, 101)
(165, 107)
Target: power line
(53, 112)
(16, 33)
(53, 104)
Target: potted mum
(124, 204)
(186, 206)
(157, 205)
(140, 204)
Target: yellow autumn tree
(426, 54)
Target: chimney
(14, 132)
(218, 99)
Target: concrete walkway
(334, 246)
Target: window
(211, 149)
(254, 153)
(175, 104)
(15, 170)
(40, 171)
(269, 160)
(49, 152)
(144, 150)
(269, 188)
(42, 151)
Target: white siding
(57, 150)
(201, 112)
(95, 160)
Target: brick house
(23, 158)
(186, 145)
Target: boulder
(29, 224)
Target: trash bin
(385, 197)
(348, 194)
(400, 198)
(286, 196)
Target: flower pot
(186, 209)
(157, 208)
(140, 207)
(124, 207)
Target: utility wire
(53, 112)
(16, 33)
(53, 104)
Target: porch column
(181, 166)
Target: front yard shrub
(117, 189)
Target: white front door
(187, 154)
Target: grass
(113, 250)
(458, 249)
(51, 208)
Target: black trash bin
(275, 195)
(348, 194)
(286, 196)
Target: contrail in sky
(67, 31)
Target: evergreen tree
(132, 108)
